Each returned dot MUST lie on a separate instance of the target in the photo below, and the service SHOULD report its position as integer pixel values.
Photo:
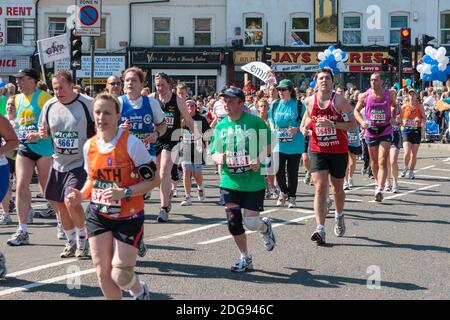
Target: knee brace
(254, 223)
(128, 271)
(234, 218)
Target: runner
(175, 110)
(68, 120)
(192, 159)
(285, 116)
(414, 120)
(142, 115)
(238, 143)
(119, 172)
(328, 115)
(378, 103)
(33, 152)
(11, 142)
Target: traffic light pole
(91, 81)
(400, 66)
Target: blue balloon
(331, 48)
(333, 64)
(441, 76)
(2, 84)
(312, 84)
(408, 82)
(434, 62)
(426, 77)
(336, 71)
(427, 59)
(447, 70)
(344, 55)
(434, 68)
(331, 58)
(397, 85)
(323, 64)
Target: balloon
(434, 62)
(344, 56)
(445, 61)
(337, 56)
(408, 82)
(335, 70)
(447, 70)
(2, 84)
(327, 52)
(341, 66)
(331, 58)
(433, 53)
(427, 59)
(312, 84)
(439, 56)
(323, 64)
(434, 69)
(442, 67)
(427, 77)
(321, 56)
(426, 69)
(331, 48)
(427, 49)
(397, 86)
(441, 76)
(442, 51)
(419, 68)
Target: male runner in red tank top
(328, 117)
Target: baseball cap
(27, 72)
(285, 83)
(233, 92)
(412, 90)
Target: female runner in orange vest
(115, 185)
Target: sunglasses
(283, 89)
(115, 83)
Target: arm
(306, 120)
(357, 111)
(8, 134)
(185, 114)
(347, 113)
(424, 117)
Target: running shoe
(350, 183)
(387, 187)
(145, 295)
(403, 172)
(291, 202)
(339, 226)
(12, 206)
(269, 236)
(318, 236)
(5, 219)
(60, 232)
(243, 264)
(142, 248)
(307, 178)
(201, 195)
(282, 199)
(174, 193)
(346, 186)
(186, 202)
(19, 238)
(83, 252)
(163, 215)
(378, 195)
(69, 251)
(394, 188)
(411, 175)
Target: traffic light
(393, 56)
(267, 56)
(425, 39)
(75, 50)
(405, 47)
(385, 64)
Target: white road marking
(437, 169)
(432, 177)
(353, 200)
(409, 192)
(45, 282)
(39, 268)
(413, 183)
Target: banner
(52, 49)
(258, 69)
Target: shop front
(10, 65)
(203, 72)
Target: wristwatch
(157, 132)
(128, 193)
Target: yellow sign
(96, 81)
(244, 57)
(310, 57)
(442, 106)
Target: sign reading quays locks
(176, 58)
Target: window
(14, 31)
(397, 22)
(56, 26)
(300, 31)
(445, 29)
(161, 31)
(253, 31)
(100, 42)
(202, 32)
(351, 33)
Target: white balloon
(337, 56)
(433, 53)
(327, 52)
(427, 49)
(341, 66)
(346, 58)
(442, 51)
(338, 50)
(321, 56)
(426, 68)
(439, 56)
(445, 60)
(442, 66)
(419, 68)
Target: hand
(365, 125)
(125, 125)
(33, 137)
(151, 137)
(254, 165)
(74, 197)
(292, 130)
(324, 122)
(219, 158)
(43, 131)
(114, 194)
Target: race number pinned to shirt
(326, 133)
(66, 142)
(377, 117)
(24, 130)
(412, 124)
(237, 162)
(283, 135)
(98, 199)
(170, 119)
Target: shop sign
(175, 58)
(11, 65)
(96, 81)
(310, 57)
(25, 10)
(243, 57)
(104, 66)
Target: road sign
(88, 17)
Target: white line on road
(39, 268)
(437, 169)
(413, 183)
(432, 177)
(409, 192)
(425, 168)
(353, 200)
(45, 282)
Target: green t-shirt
(3, 105)
(242, 142)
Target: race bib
(352, 138)
(67, 140)
(170, 120)
(283, 135)
(97, 198)
(412, 123)
(24, 130)
(326, 133)
(378, 116)
(238, 164)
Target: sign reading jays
(88, 17)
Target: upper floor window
(300, 33)
(253, 31)
(56, 26)
(202, 32)
(100, 42)
(445, 29)
(14, 31)
(351, 31)
(397, 22)
(161, 31)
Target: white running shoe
(3, 270)
(291, 203)
(201, 194)
(394, 188)
(243, 264)
(282, 199)
(346, 186)
(350, 183)
(411, 175)
(19, 238)
(269, 236)
(403, 172)
(186, 202)
(5, 219)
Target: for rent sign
(14, 10)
